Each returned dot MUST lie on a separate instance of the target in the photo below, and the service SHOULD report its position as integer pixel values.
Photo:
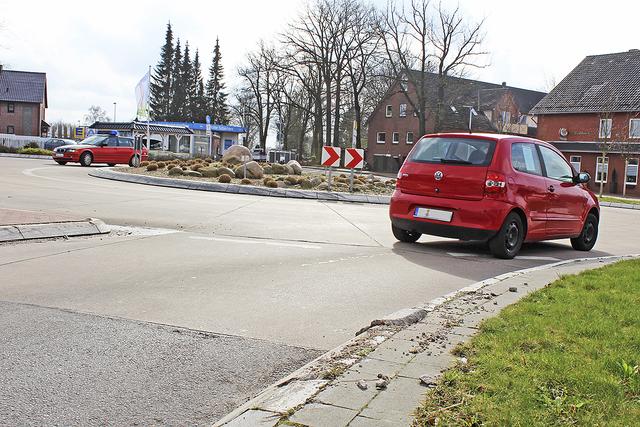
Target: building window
(11, 129)
(634, 128)
(576, 162)
(605, 128)
(505, 116)
(403, 110)
(396, 137)
(409, 137)
(11, 107)
(602, 170)
(382, 137)
(389, 111)
(632, 172)
(404, 84)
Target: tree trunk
(358, 118)
(336, 114)
(328, 111)
(624, 178)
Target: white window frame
(395, 140)
(412, 138)
(605, 169)
(606, 128)
(576, 162)
(378, 140)
(402, 112)
(631, 126)
(388, 111)
(637, 165)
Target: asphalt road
(283, 277)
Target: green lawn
(565, 355)
(619, 200)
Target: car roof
(491, 136)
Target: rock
(268, 170)
(323, 187)
(175, 171)
(427, 381)
(281, 184)
(306, 184)
(381, 384)
(297, 169)
(279, 169)
(237, 152)
(192, 173)
(362, 385)
(513, 289)
(209, 172)
(226, 171)
(233, 160)
(315, 181)
(254, 170)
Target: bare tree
(259, 79)
(241, 114)
(624, 145)
(96, 114)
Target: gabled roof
(600, 83)
(460, 91)
(23, 86)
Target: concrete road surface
(283, 277)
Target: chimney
(0, 68)
(504, 84)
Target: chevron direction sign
(354, 158)
(330, 156)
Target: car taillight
(495, 183)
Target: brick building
(23, 103)
(393, 126)
(596, 107)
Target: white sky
(97, 56)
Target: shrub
(152, 167)
(144, 164)
(32, 145)
(271, 184)
(306, 184)
(245, 181)
(196, 167)
(175, 171)
(35, 151)
(224, 178)
(184, 168)
(267, 179)
(161, 165)
(5, 149)
(291, 180)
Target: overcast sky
(96, 56)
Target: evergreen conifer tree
(199, 103)
(215, 93)
(188, 82)
(178, 91)
(162, 79)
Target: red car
(110, 149)
(497, 188)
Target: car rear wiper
(456, 161)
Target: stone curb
(106, 173)
(88, 227)
(26, 156)
(620, 205)
(298, 388)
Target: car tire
(133, 160)
(404, 235)
(588, 236)
(61, 163)
(507, 243)
(86, 158)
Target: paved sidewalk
(17, 224)
(408, 361)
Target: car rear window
(459, 151)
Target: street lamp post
(114, 111)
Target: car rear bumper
(471, 219)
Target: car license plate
(437, 214)
(59, 154)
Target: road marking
(255, 241)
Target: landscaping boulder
(226, 171)
(175, 171)
(209, 172)
(268, 170)
(254, 170)
(297, 169)
(316, 180)
(323, 187)
(279, 169)
(289, 169)
(235, 153)
(192, 173)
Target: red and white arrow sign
(354, 158)
(330, 156)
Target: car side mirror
(582, 178)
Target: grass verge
(565, 355)
(619, 200)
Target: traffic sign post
(330, 158)
(353, 159)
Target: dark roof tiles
(23, 86)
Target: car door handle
(551, 189)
